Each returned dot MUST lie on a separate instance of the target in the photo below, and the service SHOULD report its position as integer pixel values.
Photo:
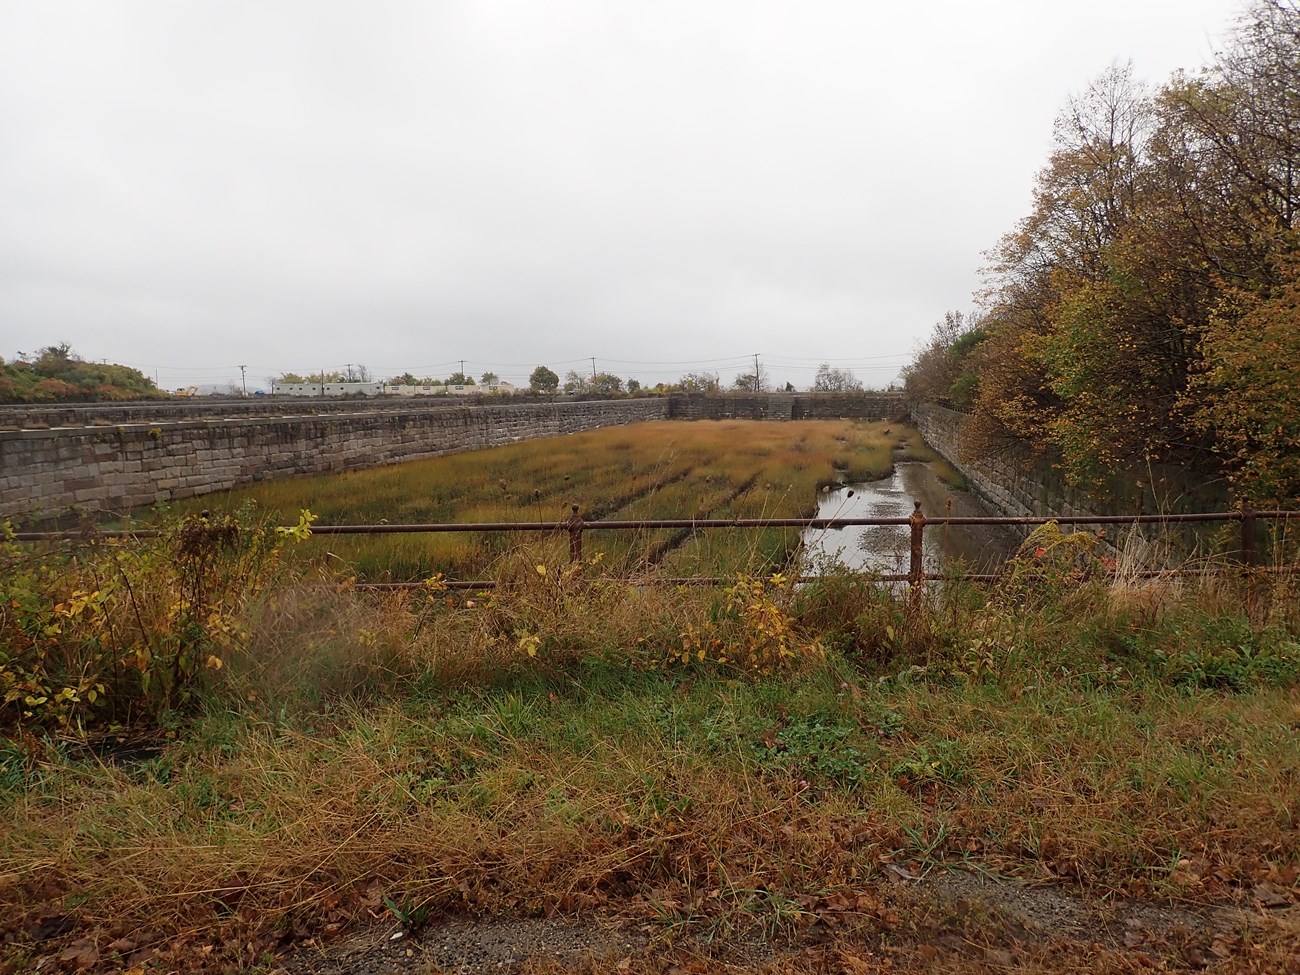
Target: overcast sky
(667, 186)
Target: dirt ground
(1026, 917)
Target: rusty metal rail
(575, 527)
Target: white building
(392, 389)
(326, 389)
(387, 389)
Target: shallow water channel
(886, 548)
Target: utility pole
(462, 370)
(349, 375)
(243, 379)
(593, 368)
(757, 387)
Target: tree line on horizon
(543, 379)
(57, 374)
(1147, 309)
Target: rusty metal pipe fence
(917, 523)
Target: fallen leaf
(1271, 895)
(373, 896)
(83, 954)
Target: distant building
(326, 389)
(393, 389)
(388, 389)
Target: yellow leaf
(541, 570)
(214, 662)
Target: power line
(678, 362)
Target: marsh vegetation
(660, 470)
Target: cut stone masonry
(45, 474)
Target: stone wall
(787, 406)
(41, 416)
(1021, 486)
(1009, 484)
(43, 473)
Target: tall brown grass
(646, 471)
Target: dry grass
(645, 471)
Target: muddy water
(886, 548)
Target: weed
(752, 629)
(411, 914)
(1237, 667)
(820, 748)
(925, 845)
(944, 760)
(16, 767)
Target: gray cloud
(188, 186)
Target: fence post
(575, 536)
(1249, 554)
(916, 566)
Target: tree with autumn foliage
(1144, 311)
(1248, 390)
(942, 370)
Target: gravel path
(477, 947)
(466, 947)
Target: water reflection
(885, 548)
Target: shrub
(109, 632)
(752, 629)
